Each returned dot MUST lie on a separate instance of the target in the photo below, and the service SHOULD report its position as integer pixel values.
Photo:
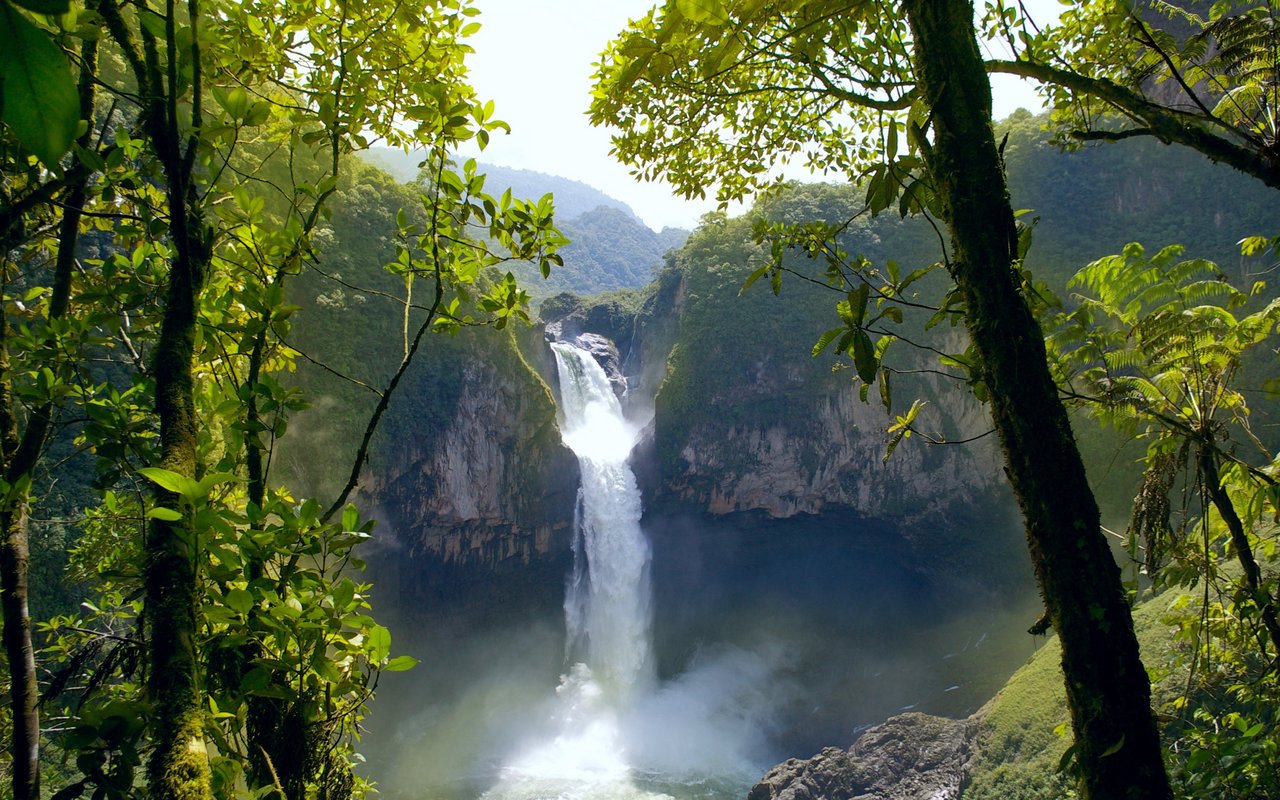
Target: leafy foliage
(1156, 346)
(1194, 73)
(683, 86)
(214, 158)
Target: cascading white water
(613, 733)
(607, 604)
(607, 607)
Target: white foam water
(614, 733)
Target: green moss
(184, 772)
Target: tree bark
(21, 455)
(179, 768)
(14, 552)
(1117, 747)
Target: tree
(1156, 346)
(1203, 75)
(209, 182)
(704, 90)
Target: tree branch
(1167, 124)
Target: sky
(534, 60)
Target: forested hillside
(573, 198)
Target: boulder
(908, 757)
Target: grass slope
(1019, 746)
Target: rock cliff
(482, 482)
(830, 452)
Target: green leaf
(755, 275)
(350, 518)
(37, 93)
(1068, 756)
(239, 600)
(864, 357)
(162, 513)
(343, 593)
(166, 479)
(400, 664)
(378, 643)
(858, 303)
(825, 340)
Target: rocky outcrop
(484, 483)
(908, 757)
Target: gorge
(824, 588)
(457, 481)
(748, 652)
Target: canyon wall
(486, 484)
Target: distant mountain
(573, 198)
(612, 248)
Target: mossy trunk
(14, 556)
(1117, 745)
(179, 768)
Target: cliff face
(833, 455)
(746, 419)
(481, 482)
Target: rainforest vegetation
(188, 231)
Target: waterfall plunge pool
(681, 657)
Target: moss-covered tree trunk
(179, 767)
(14, 554)
(1117, 744)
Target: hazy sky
(533, 59)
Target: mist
(678, 655)
(773, 639)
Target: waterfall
(612, 732)
(607, 604)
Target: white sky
(533, 59)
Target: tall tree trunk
(179, 768)
(1108, 692)
(23, 690)
(21, 455)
